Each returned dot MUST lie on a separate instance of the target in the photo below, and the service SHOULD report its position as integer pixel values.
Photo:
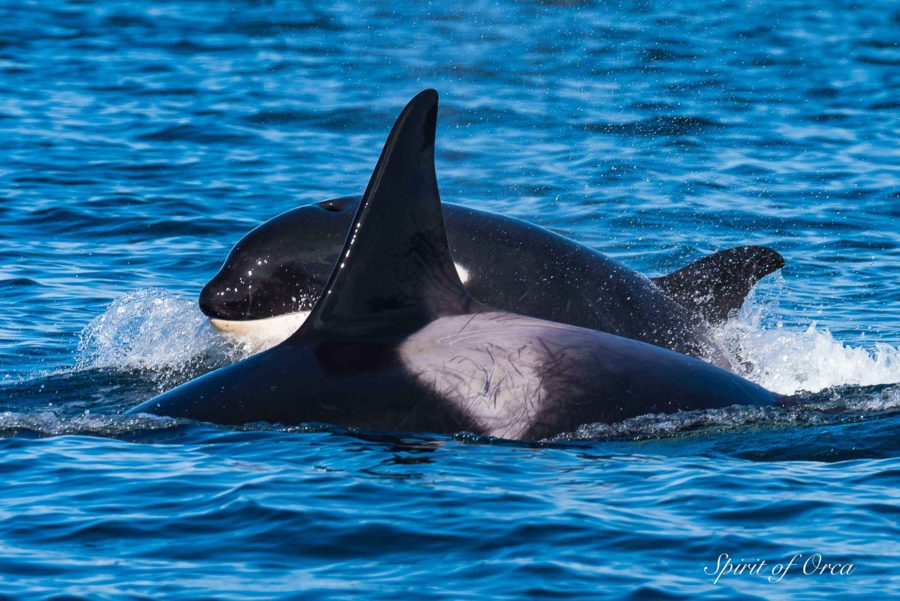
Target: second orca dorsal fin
(395, 267)
(717, 284)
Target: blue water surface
(140, 140)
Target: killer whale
(273, 276)
(396, 343)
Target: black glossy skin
(282, 265)
(362, 381)
(352, 382)
(396, 342)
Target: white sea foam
(805, 358)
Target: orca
(397, 343)
(274, 275)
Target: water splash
(152, 330)
(788, 360)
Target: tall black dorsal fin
(717, 284)
(395, 266)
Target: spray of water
(156, 332)
(790, 360)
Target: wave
(53, 423)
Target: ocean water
(140, 140)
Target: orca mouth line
(260, 334)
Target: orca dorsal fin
(395, 267)
(717, 284)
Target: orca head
(274, 275)
(280, 276)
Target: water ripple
(141, 140)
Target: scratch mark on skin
(466, 325)
(492, 366)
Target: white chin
(257, 335)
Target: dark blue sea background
(139, 141)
